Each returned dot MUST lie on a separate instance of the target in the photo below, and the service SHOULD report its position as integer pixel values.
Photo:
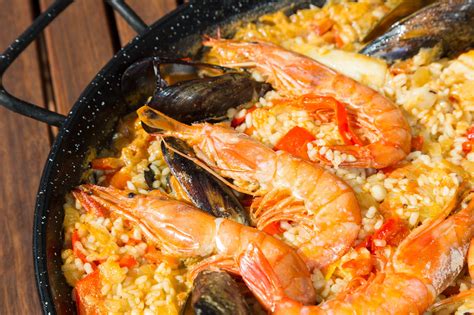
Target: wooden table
(52, 72)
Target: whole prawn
(179, 229)
(292, 189)
(384, 132)
(424, 264)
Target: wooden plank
(149, 11)
(23, 150)
(79, 43)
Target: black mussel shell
(404, 9)
(448, 24)
(206, 191)
(206, 98)
(217, 293)
(144, 77)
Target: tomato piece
(239, 121)
(127, 261)
(393, 231)
(295, 142)
(417, 143)
(273, 228)
(88, 296)
(470, 133)
(467, 147)
(107, 164)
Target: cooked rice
(437, 97)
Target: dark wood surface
(51, 73)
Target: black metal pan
(92, 119)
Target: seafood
(203, 189)
(465, 297)
(447, 23)
(181, 230)
(193, 99)
(292, 189)
(470, 259)
(380, 123)
(402, 10)
(215, 292)
(425, 263)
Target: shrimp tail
(262, 280)
(157, 120)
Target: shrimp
(424, 264)
(470, 259)
(181, 230)
(464, 298)
(290, 188)
(380, 122)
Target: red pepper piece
(295, 142)
(393, 231)
(88, 296)
(127, 261)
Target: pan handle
(128, 15)
(13, 51)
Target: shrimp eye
(131, 195)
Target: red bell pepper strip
(295, 142)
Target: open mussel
(177, 88)
(215, 293)
(448, 24)
(206, 191)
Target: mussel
(447, 23)
(176, 89)
(216, 293)
(404, 9)
(206, 191)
